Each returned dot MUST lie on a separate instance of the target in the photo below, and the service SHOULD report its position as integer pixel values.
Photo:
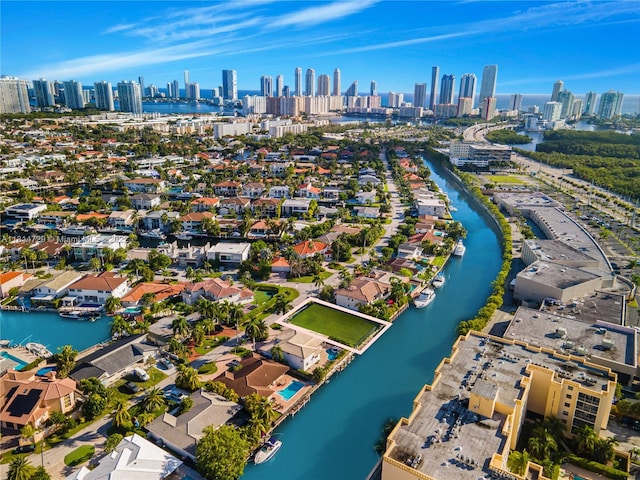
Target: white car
(141, 374)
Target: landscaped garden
(340, 326)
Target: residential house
(91, 246)
(13, 279)
(97, 288)
(408, 250)
(27, 399)
(255, 375)
(204, 204)
(227, 188)
(261, 229)
(229, 227)
(266, 207)
(159, 220)
(55, 219)
(133, 458)
(301, 351)
(307, 190)
(146, 185)
(253, 190)
(430, 205)
(367, 212)
(145, 201)
(160, 291)
(55, 288)
(310, 248)
(229, 254)
(366, 197)
(24, 211)
(234, 206)
(297, 207)
(331, 193)
(125, 219)
(279, 191)
(188, 256)
(191, 222)
(280, 265)
(217, 290)
(278, 168)
(182, 433)
(361, 291)
(365, 179)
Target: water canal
(334, 434)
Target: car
(233, 363)
(166, 363)
(132, 387)
(24, 448)
(141, 374)
(636, 425)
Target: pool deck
(568, 471)
(19, 352)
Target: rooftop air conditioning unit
(608, 344)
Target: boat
(77, 230)
(425, 298)
(157, 234)
(438, 281)
(267, 451)
(452, 209)
(459, 249)
(38, 349)
(183, 236)
(80, 315)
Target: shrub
(596, 467)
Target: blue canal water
(51, 330)
(334, 434)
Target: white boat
(77, 230)
(80, 315)
(425, 298)
(38, 349)
(438, 281)
(183, 236)
(267, 451)
(459, 249)
(452, 208)
(157, 234)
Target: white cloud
(321, 14)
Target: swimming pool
(332, 354)
(43, 371)
(20, 364)
(290, 390)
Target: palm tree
(318, 282)
(121, 415)
(153, 400)
(548, 443)
(282, 304)
(255, 328)
(187, 378)
(518, 462)
(176, 347)
(277, 355)
(65, 360)
(20, 469)
(180, 327)
(236, 313)
(261, 412)
(586, 439)
(198, 334)
(119, 326)
(208, 325)
(112, 304)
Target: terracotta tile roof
(363, 289)
(105, 281)
(144, 180)
(82, 217)
(215, 288)
(309, 248)
(256, 375)
(280, 262)
(8, 276)
(195, 216)
(429, 236)
(228, 183)
(267, 201)
(205, 201)
(161, 291)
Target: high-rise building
(169, 90)
(14, 95)
(558, 86)
(130, 97)
(447, 88)
(337, 83)
(104, 96)
(419, 94)
(58, 88)
(43, 92)
(176, 89)
(578, 106)
(310, 83)
(465, 106)
(590, 103)
(515, 102)
(194, 91)
(468, 87)
(73, 95)
(266, 86)
(286, 91)
(551, 112)
(489, 79)
(435, 76)
(141, 83)
(566, 98)
(297, 87)
(324, 85)
(395, 100)
(488, 108)
(279, 85)
(352, 91)
(230, 85)
(610, 104)
(373, 89)
(186, 85)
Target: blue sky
(591, 45)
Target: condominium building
(266, 85)
(489, 79)
(610, 104)
(352, 91)
(229, 85)
(324, 83)
(14, 95)
(466, 422)
(104, 96)
(373, 89)
(297, 87)
(435, 75)
(279, 85)
(420, 95)
(515, 102)
(590, 103)
(558, 86)
(44, 93)
(310, 83)
(552, 111)
(468, 87)
(446, 89)
(130, 97)
(73, 94)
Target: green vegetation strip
(504, 179)
(309, 278)
(340, 326)
(79, 455)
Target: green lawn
(209, 343)
(261, 296)
(340, 326)
(504, 179)
(309, 278)
(79, 455)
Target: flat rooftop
(442, 430)
(559, 252)
(525, 200)
(540, 328)
(556, 275)
(597, 307)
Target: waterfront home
(253, 189)
(159, 219)
(123, 219)
(189, 256)
(54, 218)
(112, 362)
(91, 246)
(234, 205)
(261, 229)
(265, 207)
(134, 457)
(412, 251)
(52, 248)
(255, 375)
(310, 248)
(29, 399)
(204, 204)
(301, 351)
(216, 290)
(191, 222)
(227, 188)
(97, 288)
(13, 279)
(145, 201)
(146, 185)
(181, 433)
(360, 292)
(229, 254)
(24, 211)
(160, 292)
(428, 204)
(56, 287)
(296, 207)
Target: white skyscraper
(435, 76)
(420, 95)
(610, 104)
(557, 88)
(104, 96)
(551, 112)
(352, 91)
(279, 85)
(515, 102)
(230, 85)
(14, 95)
(489, 79)
(297, 87)
(73, 95)
(194, 91)
(266, 86)
(324, 85)
(468, 87)
(130, 97)
(44, 93)
(310, 83)
(395, 99)
(337, 83)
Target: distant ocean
(630, 104)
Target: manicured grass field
(79, 455)
(504, 179)
(261, 296)
(309, 278)
(342, 327)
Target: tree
(282, 304)
(153, 400)
(586, 439)
(317, 282)
(180, 327)
(119, 326)
(235, 313)
(112, 442)
(277, 355)
(187, 378)
(112, 304)
(198, 334)
(94, 405)
(256, 329)
(121, 415)
(20, 469)
(65, 360)
(518, 461)
(28, 431)
(221, 453)
(40, 474)
(261, 412)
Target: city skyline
(534, 43)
